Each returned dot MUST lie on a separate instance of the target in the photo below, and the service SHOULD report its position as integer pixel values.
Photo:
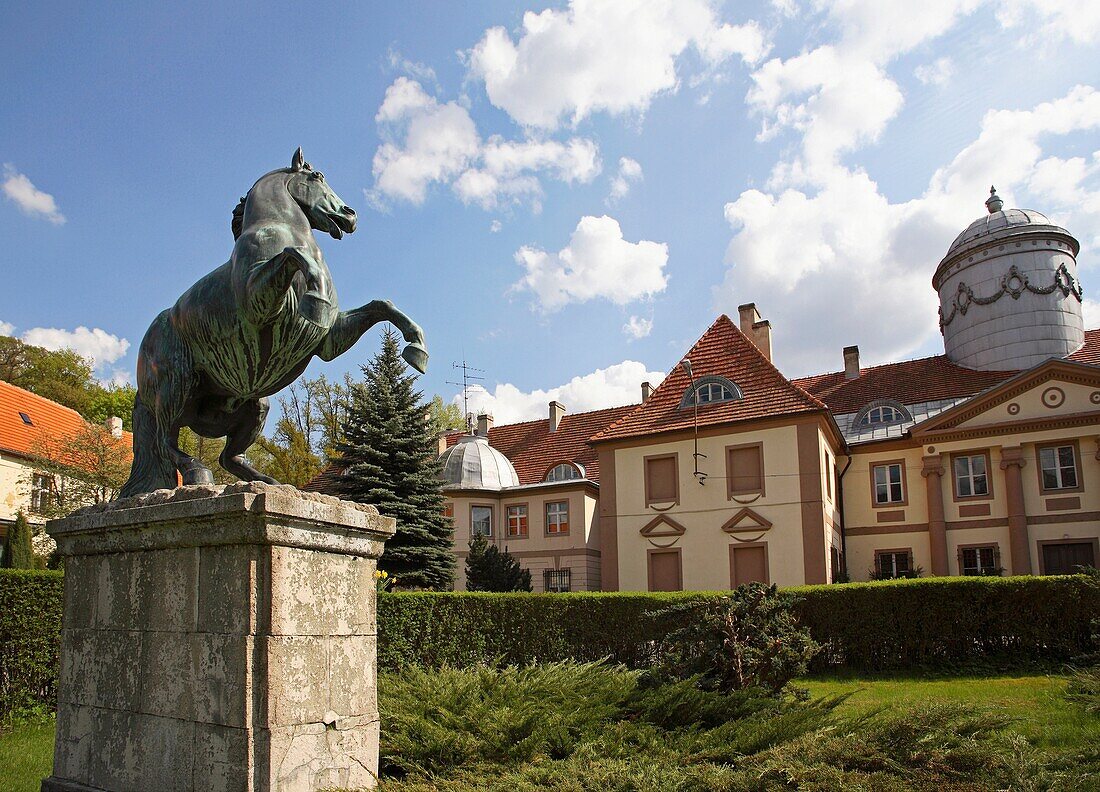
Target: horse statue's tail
(152, 468)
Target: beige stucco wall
(577, 551)
(15, 488)
(1077, 400)
(703, 509)
(861, 551)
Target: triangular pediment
(1057, 389)
(747, 520)
(662, 526)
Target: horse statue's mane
(238, 218)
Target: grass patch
(26, 756)
(1035, 706)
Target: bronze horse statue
(247, 330)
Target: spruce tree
(18, 552)
(390, 461)
(490, 569)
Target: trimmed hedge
(865, 627)
(30, 637)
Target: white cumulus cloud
(841, 264)
(630, 171)
(6, 328)
(603, 56)
(30, 200)
(614, 386)
(637, 327)
(428, 142)
(597, 263)
(98, 346)
(938, 72)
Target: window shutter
(745, 470)
(661, 479)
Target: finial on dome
(993, 203)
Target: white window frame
(556, 518)
(473, 523)
(970, 477)
(1057, 469)
(889, 484)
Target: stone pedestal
(218, 638)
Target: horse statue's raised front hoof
(249, 329)
(416, 356)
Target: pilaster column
(1012, 463)
(937, 524)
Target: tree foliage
(749, 638)
(111, 401)
(490, 569)
(18, 553)
(285, 456)
(390, 460)
(445, 417)
(62, 376)
(87, 466)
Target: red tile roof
(533, 449)
(916, 381)
(46, 417)
(1090, 352)
(530, 446)
(721, 351)
(908, 382)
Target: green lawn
(1036, 703)
(26, 757)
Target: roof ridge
(566, 415)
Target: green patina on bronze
(247, 330)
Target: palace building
(982, 460)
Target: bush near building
(863, 627)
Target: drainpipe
(840, 497)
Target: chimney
(557, 410)
(484, 424)
(851, 362)
(757, 330)
(114, 426)
(647, 391)
(441, 444)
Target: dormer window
(26, 419)
(882, 413)
(711, 390)
(564, 471)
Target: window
(979, 560)
(829, 475)
(481, 521)
(557, 517)
(41, 488)
(563, 472)
(449, 510)
(745, 470)
(662, 479)
(26, 419)
(971, 476)
(882, 413)
(891, 564)
(710, 390)
(517, 520)
(1058, 467)
(557, 580)
(888, 483)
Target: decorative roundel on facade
(1013, 409)
(1053, 397)
(1095, 397)
(931, 449)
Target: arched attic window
(711, 390)
(883, 412)
(564, 471)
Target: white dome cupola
(1009, 294)
(472, 463)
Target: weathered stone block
(222, 642)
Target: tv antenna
(466, 385)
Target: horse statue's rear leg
(350, 326)
(246, 424)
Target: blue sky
(565, 194)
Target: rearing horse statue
(247, 330)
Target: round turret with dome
(472, 463)
(1009, 294)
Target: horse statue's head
(325, 209)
